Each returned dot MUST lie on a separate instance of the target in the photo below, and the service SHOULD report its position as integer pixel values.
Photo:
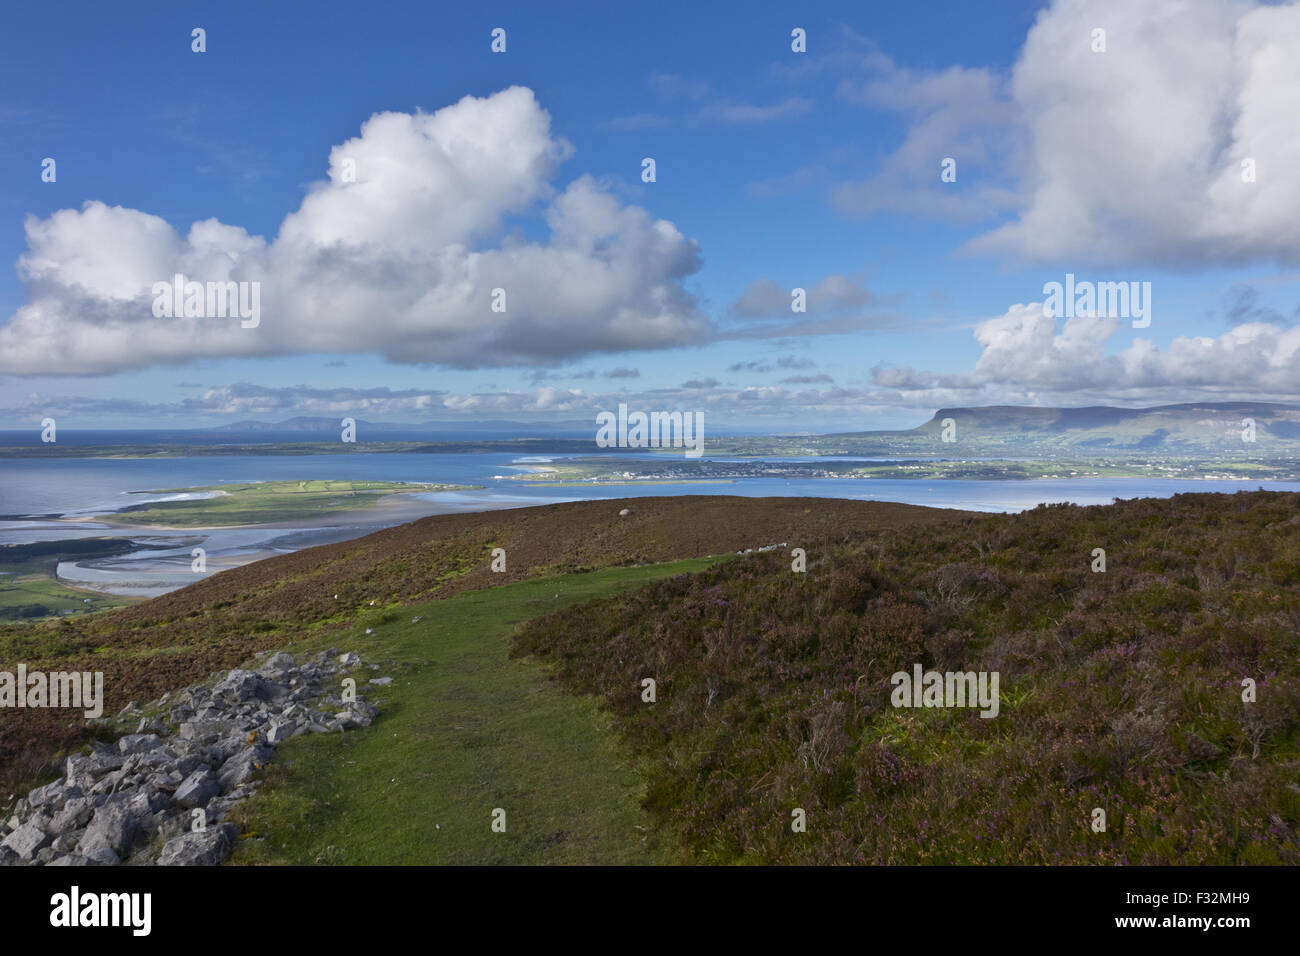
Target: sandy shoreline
(396, 507)
(148, 572)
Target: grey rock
(206, 731)
(228, 747)
(48, 795)
(186, 765)
(26, 840)
(110, 783)
(144, 764)
(237, 685)
(281, 730)
(65, 842)
(241, 767)
(197, 789)
(112, 827)
(104, 761)
(138, 743)
(165, 826)
(74, 815)
(104, 856)
(76, 770)
(131, 801)
(274, 691)
(150, 725)
(206, 848)
(146, 801)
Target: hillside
(1209, 432)
(158, 645)
(1120, 691)
(1198, 428)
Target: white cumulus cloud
(1029, 354)
(396, 253)
(1134, 153)
(1137, 152)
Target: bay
(31, 489)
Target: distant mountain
(299, 424)
(1195, 427)
(320, 424)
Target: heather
(1120, 690)
(179, 638)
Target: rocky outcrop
(161, 795)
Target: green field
(674, 469)
(463, 730)
(29, 588)
(266, 502)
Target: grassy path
(463, 731)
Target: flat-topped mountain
(1192, 428)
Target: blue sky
(775, 170)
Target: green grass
(266, 502)
(29, 590)
(463, 730)
(964, 465)
(1120, 690)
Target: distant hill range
(1215, 430)
(1191, 428)
(1096, 426)
(332, 425)
(329, 427)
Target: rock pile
(160, 795)
(765, 548)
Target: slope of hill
(1213, 431)
(1198, 428)
(463, 729)
(1121, 690)
(165, 643)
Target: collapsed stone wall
(135, 800)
